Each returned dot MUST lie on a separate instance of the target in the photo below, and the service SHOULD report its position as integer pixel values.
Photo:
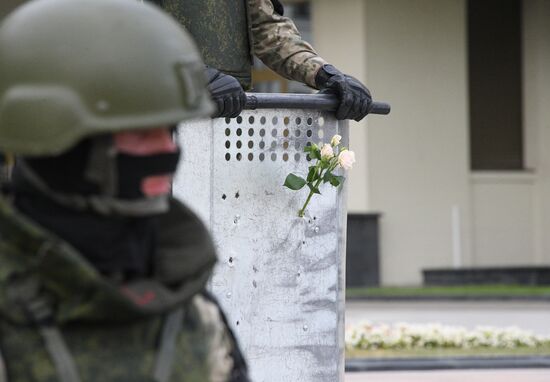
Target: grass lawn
(433, 353)
(466, 290)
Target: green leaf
(337, 180)
(312, 174)
(313, 150)
(333, 179)
(310, 148)
(313, 189)
(316, 153)
(294, 182)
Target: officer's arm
(277, 42)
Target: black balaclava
(91, 197)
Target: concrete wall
(512, 210)
(504, 218)
(414, 165)
(418, 158)
(537, 116)
(339, 34)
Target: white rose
(346, 159)
(327, 152)
(335, 141)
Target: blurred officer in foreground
(102, 273)
(229, 32)
(5, 167)
(6, 6)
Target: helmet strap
(101, 168)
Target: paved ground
(533, 316)
(513, 375)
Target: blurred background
(458, 176)
(449, 201)
(454, 186)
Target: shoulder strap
(167, 350)
(40, 311)
(3, 375)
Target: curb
(504, 298)
(384, 364)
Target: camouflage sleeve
(225, 360)
(277, 42)
(220, 345)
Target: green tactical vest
(60, 318)
(221, 31)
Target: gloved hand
(355, 98)
(227, 93)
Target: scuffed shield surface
(280, 277)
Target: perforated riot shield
(280, 277)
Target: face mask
(127, 174)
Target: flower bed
(403, 336)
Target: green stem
(331, 167)
(302, 211)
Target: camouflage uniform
(229, 32)
(112, 333)
(277, 42)
(62, 317)
(4, 167)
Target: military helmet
(73, 69)
(6, 6)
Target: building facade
(449, 197)
(460, 170)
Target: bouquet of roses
(329, 157)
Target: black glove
(355, 98)
(227, 93)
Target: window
(494, 48)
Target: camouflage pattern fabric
(277, 42)
(219, 27)
(124, 352)
(112, 331)
(274, 39)
(227, 43)
(3, 168)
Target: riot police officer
(102, 273)
(229, 32)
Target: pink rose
(327, 152)
(335, 141)
(346, 159)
